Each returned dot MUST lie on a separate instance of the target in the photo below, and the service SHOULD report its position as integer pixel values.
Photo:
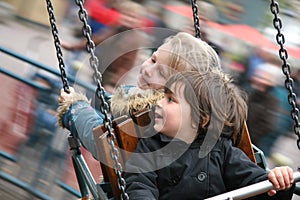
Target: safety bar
(52, 70)
(251, 190)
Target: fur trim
(65, 106)
(136, 100)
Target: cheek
(158, 81)
(173, 117)
(143, 66)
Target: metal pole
(83, 174)
(47, 68)
(251, 190)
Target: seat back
(127, 137)
(103, 150)
(142, 121)
(127, 130)
(245, 144)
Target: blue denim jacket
(82, 118)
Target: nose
(146, 70)
(159, 103)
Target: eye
(170, 98)
(153, 57)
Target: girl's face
(173, 115)
(154, 71)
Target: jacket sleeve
(140, 182)
(245, 173)
(81, 118)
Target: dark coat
(174, 170)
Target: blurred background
(35, 160)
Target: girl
(182, 52)
(172, 164)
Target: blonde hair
(187, 54)
(191, 54)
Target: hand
(282, 178)
(65, 96)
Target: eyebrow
(167, 91)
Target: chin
(143, 86)
(157, 128)
(141, 83)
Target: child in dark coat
(192, 156)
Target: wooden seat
(126, 141)
(142, 121)
(127, 130)
(245, 144)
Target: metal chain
(57, 46)
(104, 106)
(196, 19)
(289, 83)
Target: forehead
(177, 89)
(163, 51)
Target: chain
(274, 6)
(104, 106)
(57, 46)
(196, 19)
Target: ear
(205, 121)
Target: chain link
(104, 106)
(196, 19)
(286, 69)
(59, 53)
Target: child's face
(173, 115)
(154, 71)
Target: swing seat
(127, 130)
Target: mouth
(157, 116)
(142, 82)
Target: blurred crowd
(269, 116)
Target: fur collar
(135, 100)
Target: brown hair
(213, 95)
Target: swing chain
(57, 46)
(104, 106)
(196, 19)
(289, 83)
